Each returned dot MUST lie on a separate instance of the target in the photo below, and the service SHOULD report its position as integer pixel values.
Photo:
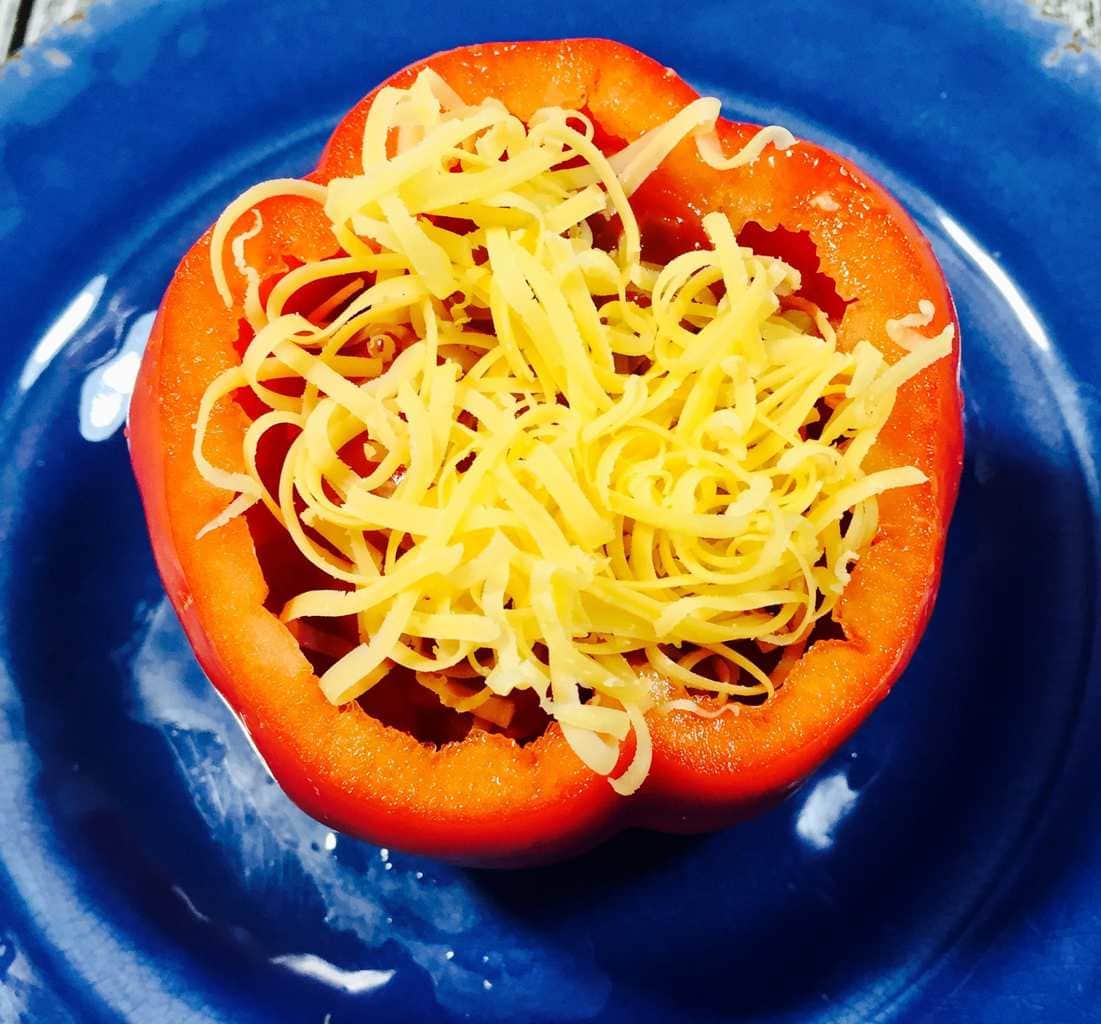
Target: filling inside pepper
(510, 461)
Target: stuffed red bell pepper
(557, 457)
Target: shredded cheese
(905, 331)
(579, 463)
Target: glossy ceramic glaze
(945, 866)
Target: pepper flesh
(487, 800)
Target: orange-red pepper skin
(487, 800)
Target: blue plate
(944, 866)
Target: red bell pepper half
(486, 799)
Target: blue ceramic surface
(944, 866)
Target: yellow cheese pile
(577, 456)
